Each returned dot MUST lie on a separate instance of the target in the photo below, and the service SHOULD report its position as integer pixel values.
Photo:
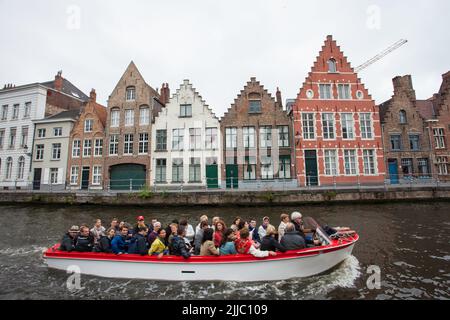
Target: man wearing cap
(69, 239)
(140, 224)
(296, 218)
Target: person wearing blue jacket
(119, 244)
(227, 246)
(138, 243)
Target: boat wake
(22, 251)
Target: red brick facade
(86, 158)
(337, 125)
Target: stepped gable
(319, 70)
(197, 95)
(249, 86)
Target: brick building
(132, 108)
(440, 130)
(337, 127)
(86, 152)
(257, 141)
(406, 136)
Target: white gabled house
(186, 143)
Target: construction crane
(379, 56)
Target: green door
(212, 176)
(127, 176)
(312, 177)
(232, 176)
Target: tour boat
(243, 268)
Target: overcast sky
(219, 44)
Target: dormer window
(332, 68)
(131, 93)
(403, 118)
(254, 103)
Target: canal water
(409, 242)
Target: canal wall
(228, 198)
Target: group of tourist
(180, 238)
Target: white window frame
(144, 116)
(58, 132)
(87, 148)
(439, 138)
(283, 131)
(143, 143)
(211, 138)
(129, 117)
(265, 134)
(114, 143)
(74, 174)
(344, 91)
(330, 123)
(130, 94)
(115, 118)
(56, 151)
(366, 125)
(326, 94)
(366, 162)
(178, 139)
(330, 161)
(40, 148)
(128, 141)
(53, 179)
(76, 148)
(96, 175)
(349, 125)
(98, 147)
(307, 118)
(249, 137)
(195, 138)
(351, 162)
(231, 137)
(88, 125)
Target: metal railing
(233, 184)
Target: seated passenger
(282, 227)
(297, 220)
(173, 228)
(69, 239)
(262, 228)
(154, 234)
(140, 222)
(120, 242)
(199, 237)
(190, 233)
(235, 224)
(219, 230)
(246, 246)
(85, 241)
(115, 224)
(292, 240)
(178, 245)
(199, 226)
(138, 244)
(158, 247)
(98, 230)
(104, 244)
(227, 246)
(208, 248)
(269, 242)
(254, 231)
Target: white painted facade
(193, 153)
(15, 148)
(51, 164)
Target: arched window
(403, 118)
(332, 66)
(21, 168)
(131, 93)
(9, 164)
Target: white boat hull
(293, 265)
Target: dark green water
(409, 242)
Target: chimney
(58, 81)
(404, 84)
(93, 96)
(279, 100)
(165, 93)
